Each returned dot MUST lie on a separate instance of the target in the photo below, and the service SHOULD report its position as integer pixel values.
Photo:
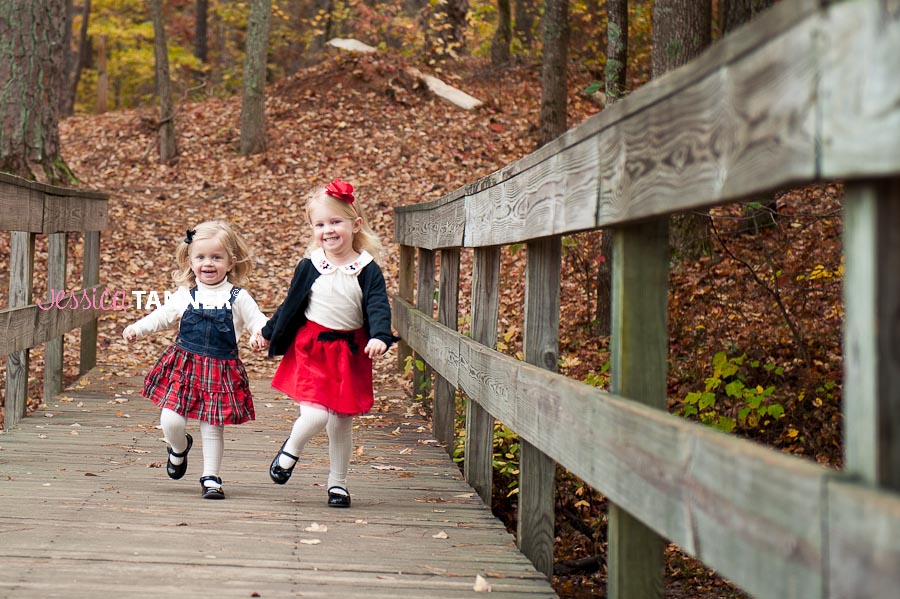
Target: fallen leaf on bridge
(310, 541)
(440, 535)
(387, 467)
(316, 527)
(481, 585)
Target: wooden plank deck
(86, 509)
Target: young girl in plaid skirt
(201, 376)
(335, 319)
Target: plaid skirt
(329, 372)
(215, 390)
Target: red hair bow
(340, 190)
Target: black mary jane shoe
(278, 474)
(176, 471)
(215, 492)
(338, 499)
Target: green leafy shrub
(734, 396)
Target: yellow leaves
(792, 433)
(819, 272)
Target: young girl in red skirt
(201, 375)
(335, 319)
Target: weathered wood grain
(754, 514)
(21, 284)
(479, 425)
(406, 284)
(31, 325)
(91, 277)
(56, 280)
(434, 225)
(872, 332)
(68, 213)
(94, 513)
(422, 379)
(21, 209)
(33, 207)
(444, 418)
(536, 522)
(863, 542)
(860, 90)
(639, 344)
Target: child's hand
(258, 342)
(129, 335)
(375, 347)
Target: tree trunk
(67, 107)
(616, 81)
(554, 76)
(167, 147)
(31, 66)
(445, 29)
(70, 57)
(762, 214)
(253, 103)
(102, 76)
(323, 18)
(525, 17)
(734, 13)
(201, 45)
(616, 50)
(682, 29)
(502, 35)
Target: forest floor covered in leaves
(770, 300)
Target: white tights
(173, 426)
(311, 421)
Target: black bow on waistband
(347, 336)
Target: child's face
(209, 261)
(334, 231)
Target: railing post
(91, 277)
(406, 290)
(872, 332)
(479, 468)
(448, 314)
(21, 284)
(425, 304)
(541, 344)
(639, 347)
(56, 281)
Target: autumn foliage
(754, 325)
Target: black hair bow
(190, 236)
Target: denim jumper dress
(208, 332)
(201, 375)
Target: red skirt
(215, 390)
(328, 373)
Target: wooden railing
(805, 93)
(29, 209)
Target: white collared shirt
(335, 300)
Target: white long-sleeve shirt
(244, 310)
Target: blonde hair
(234, 246)
(364, 239)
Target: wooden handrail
(27, 209)
(773, 106)
(806, 93)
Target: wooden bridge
(808, 92)
(86, 508)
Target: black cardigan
(291, 314)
